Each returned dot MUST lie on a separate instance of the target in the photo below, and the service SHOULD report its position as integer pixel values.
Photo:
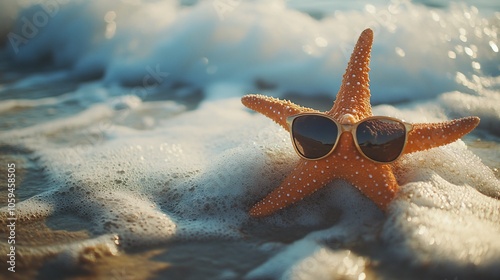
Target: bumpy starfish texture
(375, 180)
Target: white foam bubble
(318, 263)
(483, 105)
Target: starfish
(375, 180)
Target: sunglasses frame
(348, 128)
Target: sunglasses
(379, 139)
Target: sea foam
(195, 175)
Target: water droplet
(321, 42)
(493, 46)
(400, 52)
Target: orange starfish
(375, 180)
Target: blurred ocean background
(136, 160)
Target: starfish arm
(354, 94)
(377, 182)
(306, 178)
(429, 135)
(276, 109)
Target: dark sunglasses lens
(382, 140)
(314, 136)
